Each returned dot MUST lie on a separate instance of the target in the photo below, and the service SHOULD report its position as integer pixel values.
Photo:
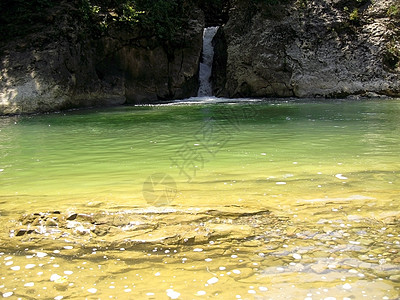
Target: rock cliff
(266, 48)
(61, 64)
(309, 48)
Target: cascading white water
(205, 88)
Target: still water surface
(203, 198)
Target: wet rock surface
(135, 229)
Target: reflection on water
(262, 200)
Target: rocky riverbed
(195, 252)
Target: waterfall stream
(205, 88)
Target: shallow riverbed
(203, 198)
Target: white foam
(205, 88)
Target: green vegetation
(19, 17)
(394, 11)
(161, 18)
(354, 16)
(302, 3)
(354, 8)
(392, 56)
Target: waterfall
(205, 88)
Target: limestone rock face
(52, 79)
(311, 48)
(156, 72)
(61, 68)
(53, 68)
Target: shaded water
(229, 199)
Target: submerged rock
(143, 228)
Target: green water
(327, 170)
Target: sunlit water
(203, 198)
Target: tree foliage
(19, 17)
(161, 18)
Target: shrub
(19, 17)
(394, 11)
(392, 56)
(354, 16)
(161, 18)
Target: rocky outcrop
(143, 228)
(154, 71)
(310, 49)
(61, 66)
(301, 48)
(56, 78)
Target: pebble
(51, 223)
(72, 216)
(22, 231)
(319, 268)
(8, 294)
(55, 277)
(30, 266)
(92, 290)
(366, 242)
(397, 260)
(395, 278)
(29, 284)
(296, 256)
(173, 294)
(299, 267)
(41, 254)
(347, 286)
(280, 269)
(212, 280)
